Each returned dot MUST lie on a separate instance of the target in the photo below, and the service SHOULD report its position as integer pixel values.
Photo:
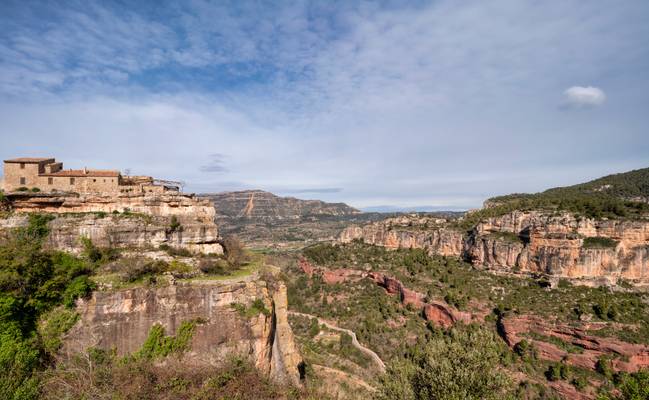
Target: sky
(393, 104)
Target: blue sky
(409, 104)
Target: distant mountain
(261, 205)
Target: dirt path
(377, 360)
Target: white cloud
(580, 96)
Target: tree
(234, 251)
(460, 364)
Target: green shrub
(158, 345)
(603, 366)
(174, 225)
(634, 386)
(80, 287)
(35, 190)
(55, 324)
(558, 372)
(447, 368)
(257, 307)
(22, 189)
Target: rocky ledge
(174, 219)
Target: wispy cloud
(215, 164)
(425, 103)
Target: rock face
(528, 242)
(628, 357)
(558, 245)
(121, 320)
(123, 221)
(409, 232)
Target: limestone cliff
(409, 232)
(557, 244)
(121, 320)
(126, 220)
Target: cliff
(230, 321)
(173, 219)
(554, 243)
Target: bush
(143, 269)
(599, 242)
(603, 366)
(234, 251)
(634, 386)
(445, 368)
(213, 266)
(174, 225)
(558, 372)
(35, 190)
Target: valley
(279, 298)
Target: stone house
(47, 175)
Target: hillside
(613, 196)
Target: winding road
(377, 360)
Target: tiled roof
(29, 160)
(89, 172)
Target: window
(22, 165)
(22, 181)
(94, 180)
(50, 181)
(71, 181)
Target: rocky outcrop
(557, 244)
(122, 221)
(626, 357)
(121, 320)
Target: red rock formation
(437, 312)
(514, 329)
(306, 267)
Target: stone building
(47, 175)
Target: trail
(377, 360)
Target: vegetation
(32, 283)
(613, 196)
(174, 225)
(257, 307)
(101, 374)
(158, 345)
(234, 251)
(445, 368)
(599, 243)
